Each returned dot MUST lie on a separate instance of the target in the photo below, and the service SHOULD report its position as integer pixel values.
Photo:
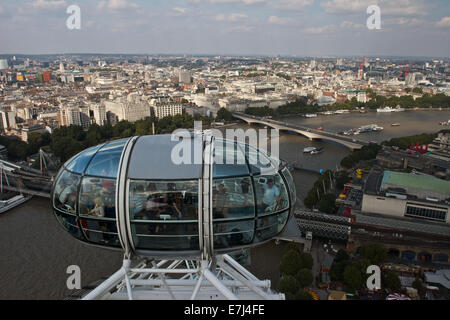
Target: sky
(227, 27)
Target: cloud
(246, 2)
(292, 4)
(117, 5)
(388, 7)
(351, 25)
(323, 29)
(44, 5)
(234, 17)
(245, 28)
(443, 23)
(180, 10)
(280, 20)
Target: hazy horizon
(289, 28)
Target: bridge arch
(408, 255)
(307, 132)
(394, 252)
(424, 256)
(440, 257)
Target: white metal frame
(184, 280)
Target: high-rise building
(166, 108)
(184, 76)
(131, 108)
(8, 119)
(61, 67)
(3, 64)
(99, 111)
(77, 116)
(47, 76)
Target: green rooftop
(416, 181)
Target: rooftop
(416, 181)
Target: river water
(35, 251)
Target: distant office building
(26, 131)
(166, 108)
(74, 116)
(61, 67)
(46, 76)
(131, 108)
(407, 195)
(4, 64)
(8, 119)
(99, 111)
(184, 76)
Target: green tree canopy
(352, 277)
(303, 295)
(304, 278)
(374, 253)
(392, 281)
(289, 286)
(291, 263)
(224, 115)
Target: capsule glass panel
(233, 199)
(271, 194)
(97, 197)
(106, 161)
(65, 192)
(79, 162)
(164, 215)
(229, 160)
(291, 186)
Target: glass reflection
(79, 163)
(65, 192)
(100, 231)
(233, 198)
(97, 198)
(291, 186)
(229, 159)
(258, 161)
(160, 200)
(271, 194)
(233, 233)
(106, 162)
(69, 222)
(270, 226)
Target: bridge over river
(310, 133)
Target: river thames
(36, 251)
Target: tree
(352, 277)
(224, 114)
(292, 246)
(374, 253)
(303, 295)
(306, 261)
(94, 135)
(304, 278)
(418, 90)
(341, 256)
(289, 286)
(291, 262)
(327, 204)
(392, 281)
(337, 270)
(418, 285)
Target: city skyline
(301, 28)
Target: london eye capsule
(151, 197)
